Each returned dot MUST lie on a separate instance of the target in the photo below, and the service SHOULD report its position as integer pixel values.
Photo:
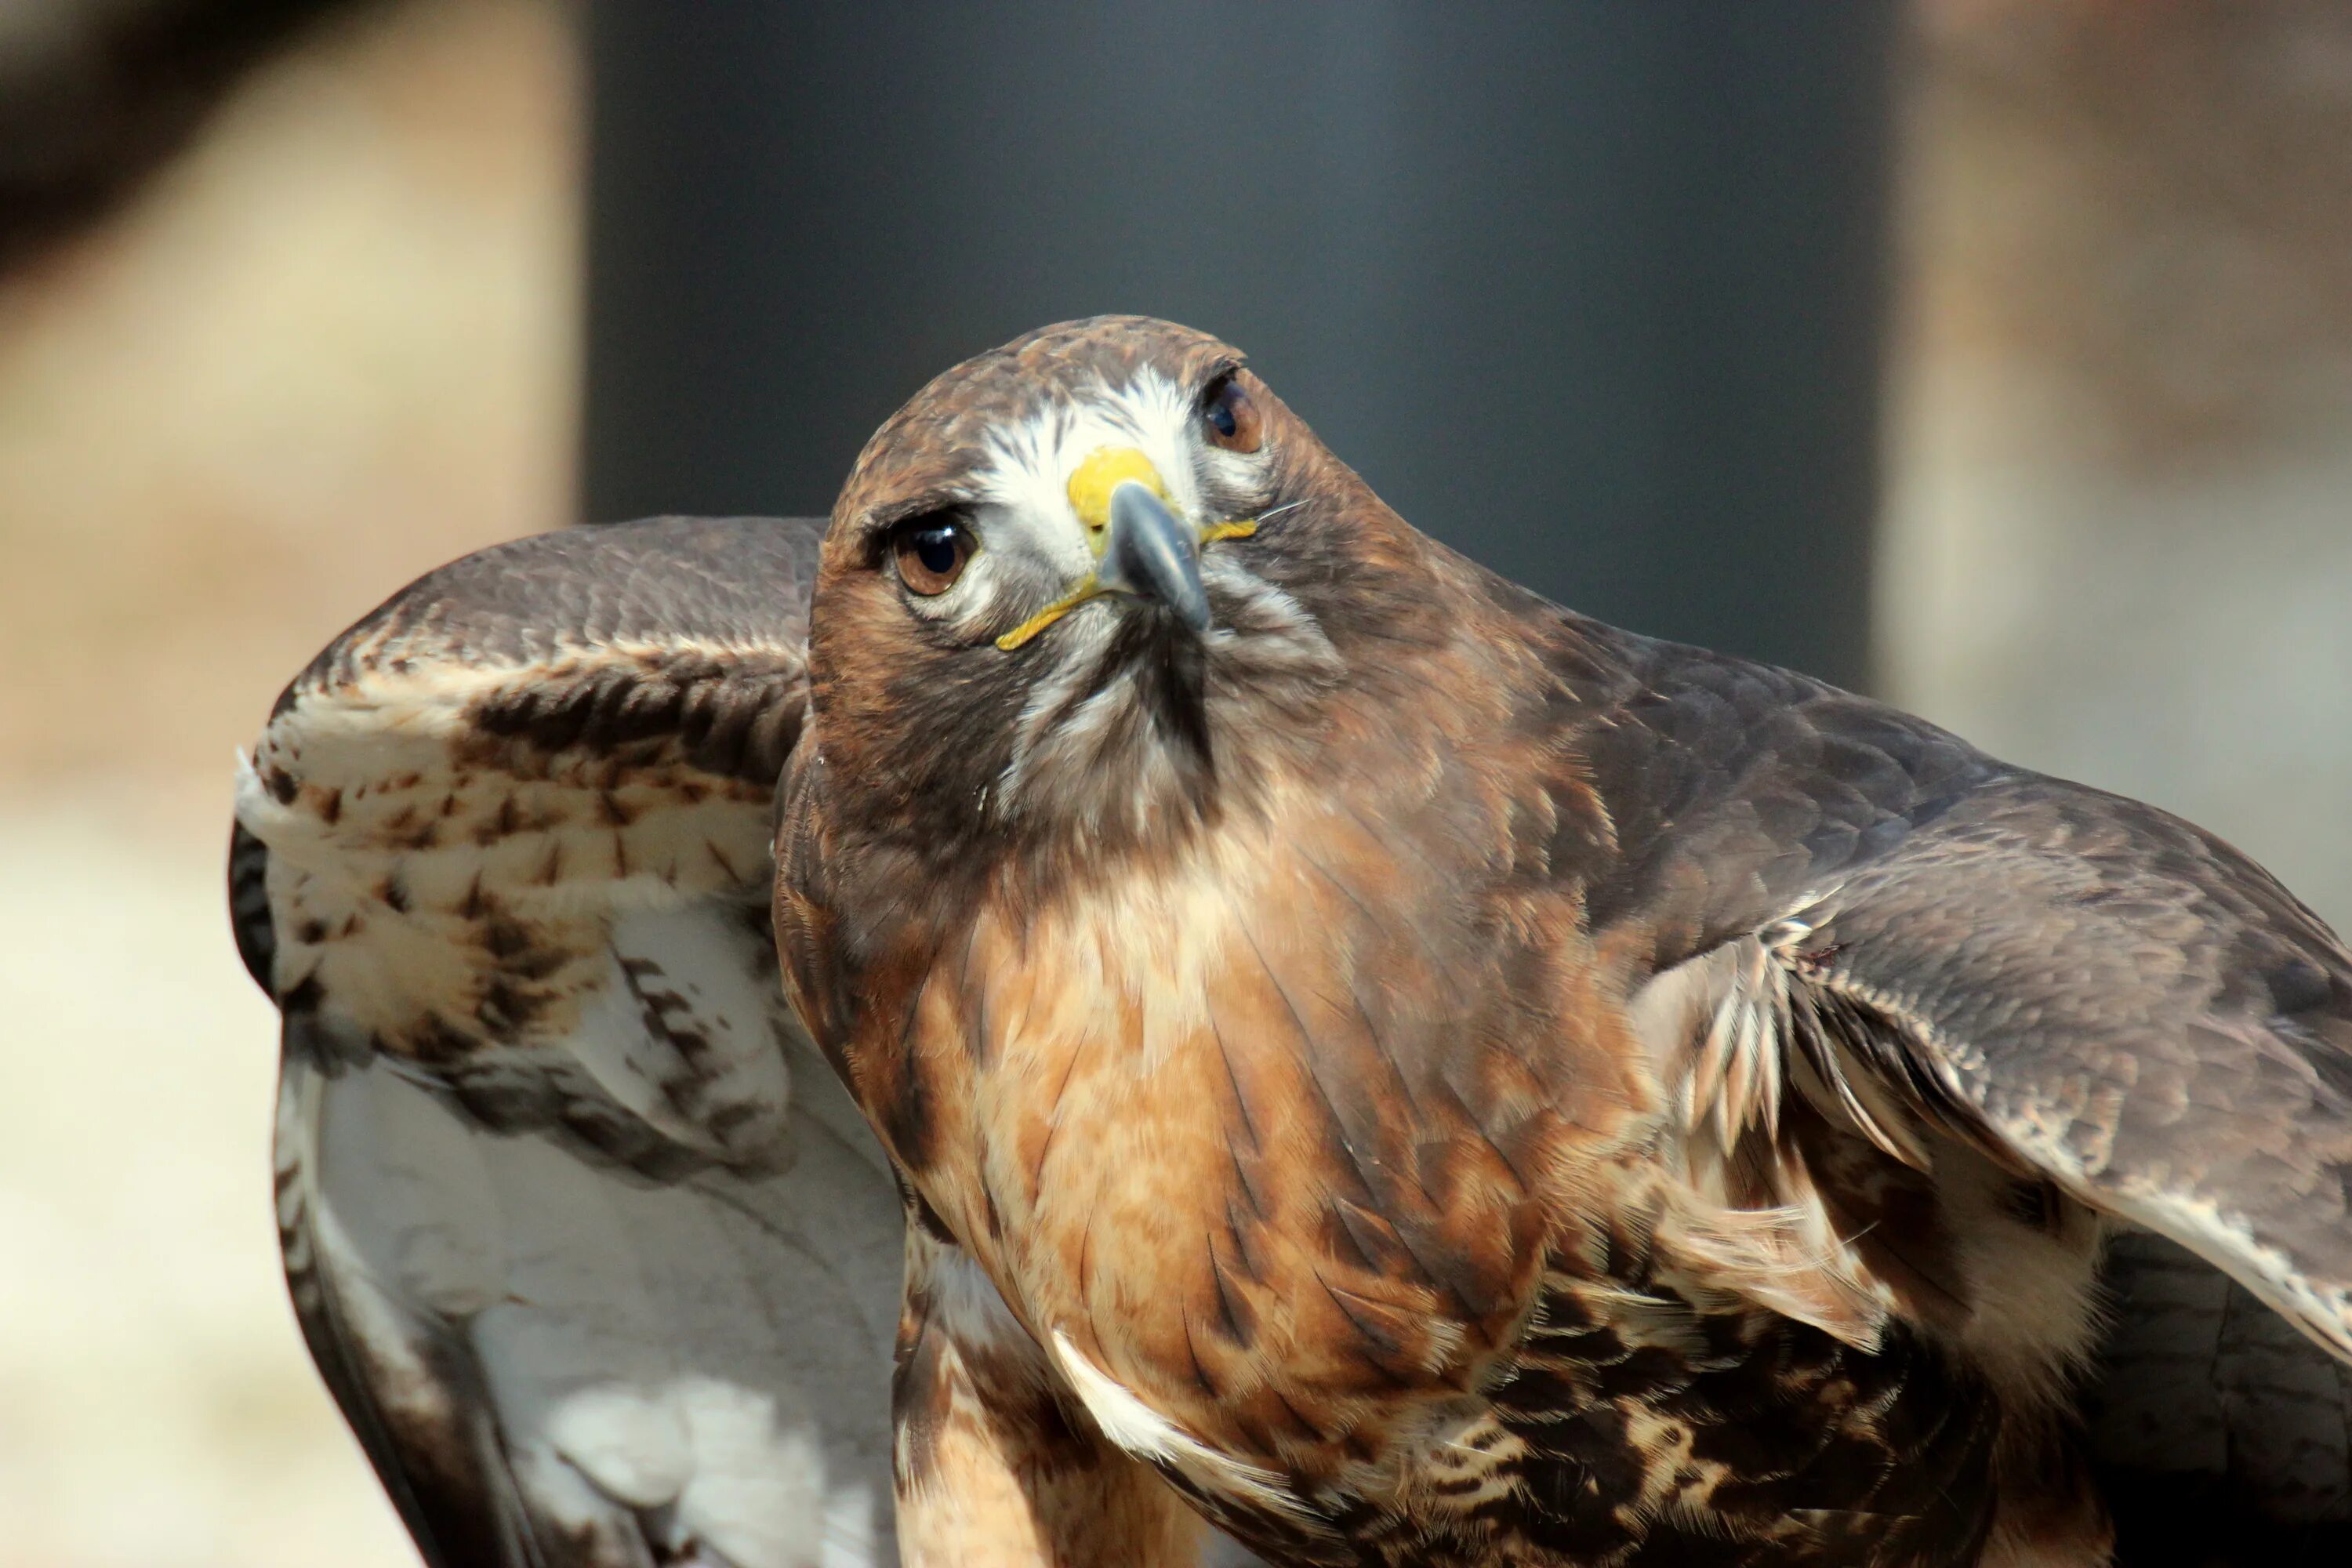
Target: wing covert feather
(2103, 992)
(2130, 1007)
(596, 1257)
(2080, 986)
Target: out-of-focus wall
(2118, 543)
(332, 346)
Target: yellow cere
(1103, 471)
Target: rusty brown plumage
(1445, 1081)
(995, 1469)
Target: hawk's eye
(1233, 419)
(930, 552)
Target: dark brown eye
(930, 552)
(1233, 419)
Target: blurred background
(1995, 355)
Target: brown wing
(2081, 985)
(590, 1247)
(2124, 1004)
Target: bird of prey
(1422, 1077)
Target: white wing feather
(593, 1250)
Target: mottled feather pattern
(447, 825)
(593, 1256)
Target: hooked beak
(1143, 550)
(1149, 554)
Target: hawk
(1421, 1076)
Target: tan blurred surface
(333, 346)
(2118, 544)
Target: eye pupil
(1231, 416)
(936, 547)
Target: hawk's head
(1096, 582)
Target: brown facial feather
(1307, 1109)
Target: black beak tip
(1152, 555)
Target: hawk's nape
(596, 1257)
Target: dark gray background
(1591, 291)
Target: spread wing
(597, 1259)
(2084, 988)
(2124, 1004)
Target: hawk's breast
(1219, 1130)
